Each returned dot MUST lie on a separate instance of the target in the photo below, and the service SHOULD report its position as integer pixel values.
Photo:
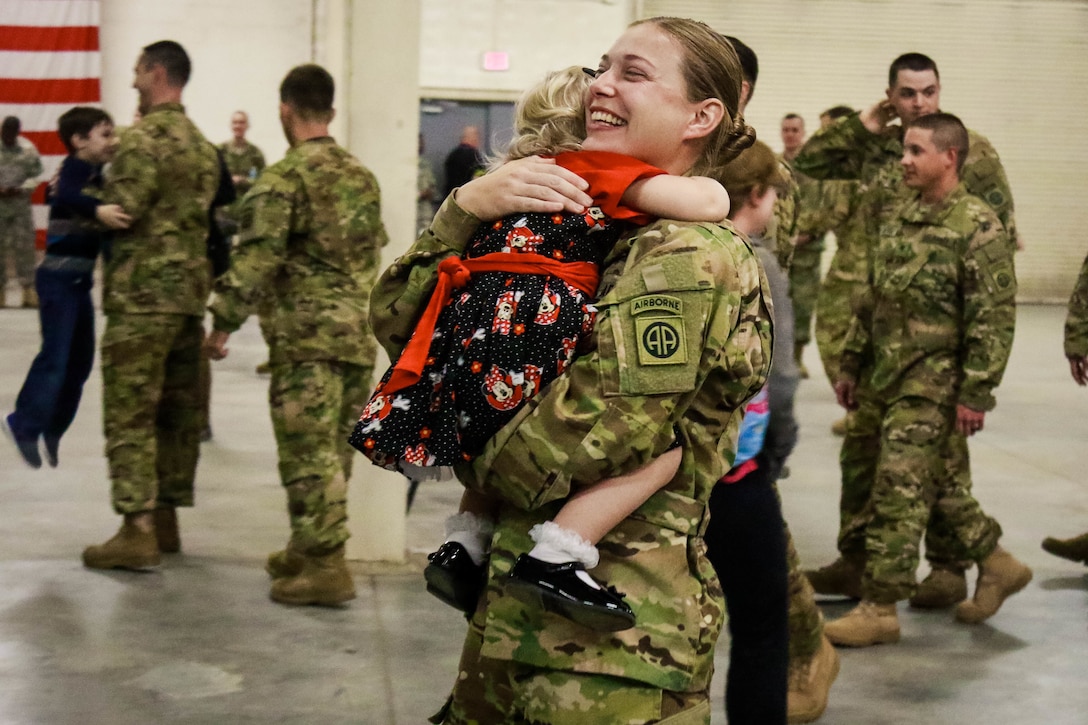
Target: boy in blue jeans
(50, 396)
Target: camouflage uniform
(847, 150)
(935, 332)
(1076, 322)
(693, 360)
(838, 199)
(312, 236)
(426, 188)
(247, 162)
(20, 166)
(165, 176)
(783, 225)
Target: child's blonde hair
(550, 118)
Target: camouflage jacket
(247, 162)
(682, 339)
(20, 166)
(165, 176)
(1076, 322)
(939, 320)
(847, 150)
(311, 237)
(786, 209)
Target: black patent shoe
(454, 578)
(557, 588)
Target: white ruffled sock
(472, 532)
(556, 545)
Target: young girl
(503, 322)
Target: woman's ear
(708, 114)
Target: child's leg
(593, 511)
(473, 524)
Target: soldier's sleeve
(984, 176)
(836, 152)
(34, 167)
(1076, 321)
(989, 311)
(402, 290)
(823, 206)
(264, 229)
(611, 412)
(131, 179)
(785, 219)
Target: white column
(372, 48)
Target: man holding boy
(165, 176)
(49, 398)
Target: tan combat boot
(166, 530)
(132, 547)
(30, 298)
(841, 577)
(866, 624)
(838, 428)
(1075, 549)
(1000, 575)
(943, 588)
(323, 580)
(810, 684)
(286, 562)
(798, 356)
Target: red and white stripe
(49, 62)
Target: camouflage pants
(16, 240)
(151, 408)
(804, 289)
(909, 443)
(498, 691)
(806, 623)
(315, 406)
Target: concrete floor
(198, 641)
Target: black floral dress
(504, 335)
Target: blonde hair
(550, 118)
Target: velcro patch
(661, 340)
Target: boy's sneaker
(27, 447)
(51, 446)
(559, 589)
(454, 577)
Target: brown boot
(838, 428)
(1075, 549)
(264, 368)
(798, 356)
(30, 298)
(841, 577)
(166, 530)
(1000, 576)
(810, 684)
(284, 563)
(866, 624)
(943, 588)
(323, 580)
(132, 547)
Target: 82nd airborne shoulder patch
(659, 330)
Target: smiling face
(916, 93)
(925, 166)
(638, 105)
(99, 146)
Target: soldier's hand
(1078, 366)
(969, 421)
(529, 184)
(113, 216)
(845, 393)
(877, 116)
(215, 344)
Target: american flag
(49, 62)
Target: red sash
(454, 273)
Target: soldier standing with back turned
(165, 175)
(311, 224)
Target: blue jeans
(50, 396)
